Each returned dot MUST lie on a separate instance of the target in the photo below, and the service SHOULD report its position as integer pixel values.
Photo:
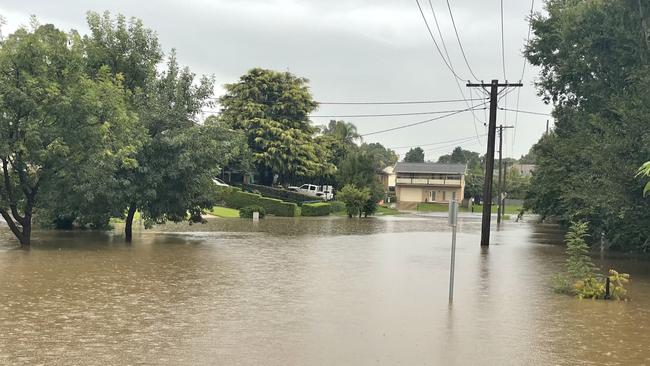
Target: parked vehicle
(325, 193)
(219, 182)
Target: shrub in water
(582, 279)
(354, 199)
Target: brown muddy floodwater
(326, 291)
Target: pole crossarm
(499, 85)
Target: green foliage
(582, 278)
(235, 198)
(474, 184)
(272, 109)
(617, 285)
(381, 156)
(595, 70)
(247, 212)
(579, 264)
(360, 169)
(459, 156)
(415, 155)
(337, 206)
(173, 171)
(517, 186)
(316, 209)
(355, 199)
(63, 133)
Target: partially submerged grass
(224, 212)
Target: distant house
(525, 170)
(387, 178)
(429, 182)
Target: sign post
(453, 221)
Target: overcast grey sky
(350, 50)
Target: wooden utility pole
(502, 180)
(489, 159)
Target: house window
(444, 195)
(433, 196)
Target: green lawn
(387, 211)
(512, 210)
(224, 212)
(433, 207)
(442, 207)
(381, 211)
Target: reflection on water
(309, 292)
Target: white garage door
(410, 195)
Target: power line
(433, 38)
(469, 143)
(460, 44)
(523, 71)
(525, 112)
(449, 64)
(460, 89)
(442, 39)
(420, 122)
(399, 102)
(435, 143)
(390, 102)
(381, 115)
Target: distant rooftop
(436, 168)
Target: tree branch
(10, 196)
(10, 222)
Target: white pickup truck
(325, 193)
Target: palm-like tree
(343, 131)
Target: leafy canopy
(415, 155)
(594, 69)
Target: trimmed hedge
(316, 209)
(247, 212)
(337, 206)
(235, 198)
(281, 194)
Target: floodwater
(328, 291)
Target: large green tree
(360, 168)
(594, 65)
(62, 133)
(460, 156)
(173, 178)
(415, 155)
(272, 108)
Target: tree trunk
(26, 237)
(128, 228)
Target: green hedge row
(337, 206)
(281, 194)
(316, 209)
(235, 198)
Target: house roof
(436, 168)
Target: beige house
(429, 182)
(387, 178)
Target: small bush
(247, 212)
(316, 209)
(355, 199)
(582, 278)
